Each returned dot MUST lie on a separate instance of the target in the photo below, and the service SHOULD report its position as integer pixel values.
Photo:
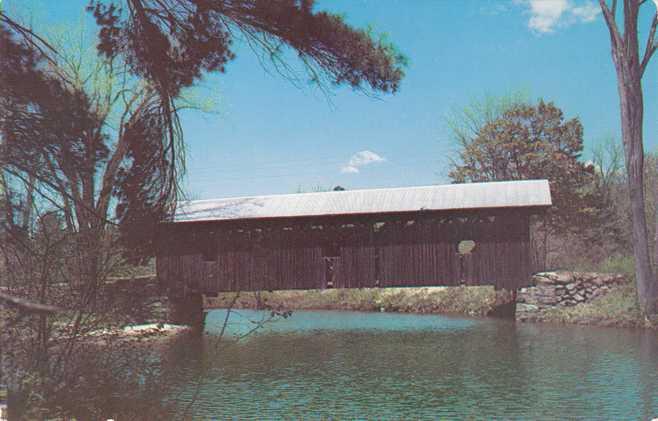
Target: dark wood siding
(403, 250)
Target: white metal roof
(500, 194)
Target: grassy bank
(473, 301)
(617, 308)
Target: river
(351, 365)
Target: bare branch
(29, 36)
(26, 306)
(651, 45)
(609, 16)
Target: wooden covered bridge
(472, 234)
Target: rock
(563, 289)
(562, 277)
(550, 301)
(588, 276)
(541, 280)
(598, 293)
(527, 308)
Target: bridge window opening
(465, 247)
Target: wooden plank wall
(402, 251)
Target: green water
(350, 365)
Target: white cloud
(587, 12)
(361, 159)
(547, 15)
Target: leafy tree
(535, 142)
(630, 66)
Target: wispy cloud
(359, 160)
(547, 15)
(494, 7)
(586, 12)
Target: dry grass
(456, 300)
(617, 308)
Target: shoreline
(612, 310)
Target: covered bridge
(473, 234)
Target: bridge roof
(470, 196)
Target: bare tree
(630, 66)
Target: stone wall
(562, 289)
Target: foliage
(619, 194)
(465, 123)
(173, 43)
(513, 140)
(534, 142)
(90, 161)
(60, 169)
(618, 264)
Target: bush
(624, 265)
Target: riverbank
(617, 307)
(471, 301)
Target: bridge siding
(290, 254)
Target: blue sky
(269, 136)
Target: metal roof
(500, 194)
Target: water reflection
(370, 365)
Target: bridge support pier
(505, 306)
(187, 309)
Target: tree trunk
(629, 68)
(631, 102)
(187, 310)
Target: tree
(87, 169)
(61, 187)
(173, 43)
(630, 67)
(612, 181)
(534, 142)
